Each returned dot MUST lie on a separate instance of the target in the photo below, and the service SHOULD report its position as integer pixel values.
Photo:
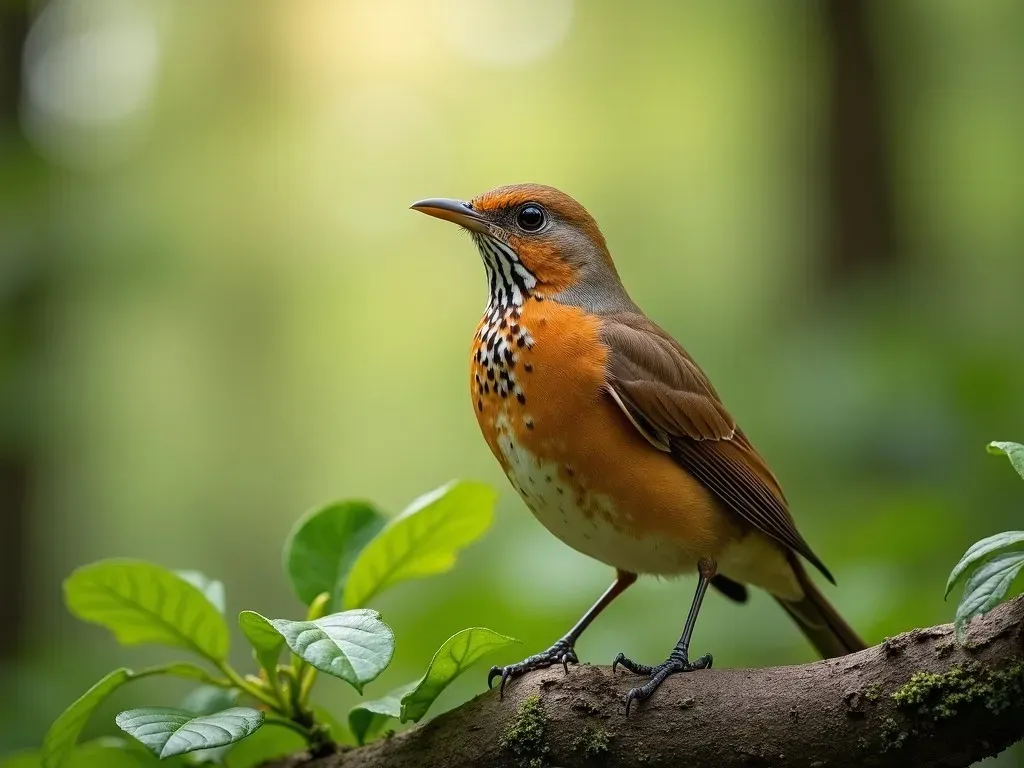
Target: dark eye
(530, 217)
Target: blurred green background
(217, 310)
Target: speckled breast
(537, 378)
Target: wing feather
(671, 402)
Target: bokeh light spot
(505, 34)
(90, 71)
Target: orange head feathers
(534, 238)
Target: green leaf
(411, 701)
(459, 652)
(212, 589)
(207, 700)
(353, 645)
(266, 641)
(144, 603)
(369, 718)
(1013, 451)
(168, 731)
(421, 541)
(59, 741)
(264, 745)
(980, 551)
(986, 587)
(324, 544)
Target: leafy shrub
(338, 558)
(991, 564)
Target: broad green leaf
(59, 741)
(324, 544)
(411, 701)
(143, 603)
(212, 589)
(986, 587)
(169, 731)
(981, 550)
(1013, 451)
(353, 645)
(369, 718)
(459, 652)
(421, 541)
(264, 745)
(265, 640)
(207, 700)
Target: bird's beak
(452, 210)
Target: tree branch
(917, 699)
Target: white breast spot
(585, 520)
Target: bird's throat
(509, 282)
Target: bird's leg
(678, 660)
(563, 652)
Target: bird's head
(534, 239)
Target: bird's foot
(676, 662)
(561, 652)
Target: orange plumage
(611, 433)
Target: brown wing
(670, 400)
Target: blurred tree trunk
(21, 296)
(861, 234)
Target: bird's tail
(819, 621)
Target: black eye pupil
(530, 218)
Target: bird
(614, 437)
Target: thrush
(614, 437)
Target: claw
(493, 673)
(677, 662)
(621, 657)
(632, 666)
(560, 653)
(630, 695)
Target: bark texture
(918, 699)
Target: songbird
(612, 434)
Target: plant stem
(184, 670)
(304, 674)
(279, 693)
(295, 690)
(244, 685)
(306, 685)
(284, 722)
